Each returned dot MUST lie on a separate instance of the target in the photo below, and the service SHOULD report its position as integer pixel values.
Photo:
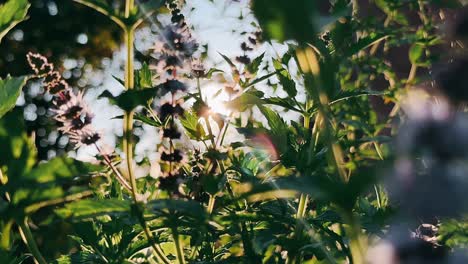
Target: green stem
(411, 77)
(309, 65)
(30, 242)
(207, 119)
(303, 199)
(211, 203)
(129, 4)
(199, 89)
(356, 245)
(210, 131)
(128, 115)
(128, 149)
(116, 172)
(69, 198)
(128, 132)
(2, 178)
(178, 246)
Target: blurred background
(88, 51)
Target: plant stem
(28, 238)
(2, 178)
(199, 89)
(178, 246)
(129, 4)
(409, 80)
(69, 198)
(159, 252)
(128, 131)
(207, 119)
(118, 176)
(356, 243)
(303, 199)
(211, 203)
(309, 65)
(128, 115)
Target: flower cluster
(252, 40)
(174, 48)
(173, 53)
(69, 110)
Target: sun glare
(216, 100)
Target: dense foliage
(346, 147)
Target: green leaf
(276, 123)
(144, 77)
(171, 206)
(211, 71)
(246, 100)
(278, 128)
(228, 60)
(10, 89)
(130, 99)
(5, 238)
(285, 20)
(289, 86)
(194, 129)
(393, 10)
(147, 120)
(255, 64)
(415, 53)
(60, 168)
(79, 258)
(8, 257)
(364, 43)
(345, 95)
(454, 233)
(85, 209)
(12, 13)
(144, 119)
(287, 103)
(18, 153)
(145, 10)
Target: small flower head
(168, 109)
(172, 132)
(74, 114)
(62, 98)
(51, 78)
(57, 87)
(244, 59)
(39, 64)
(169, 65)
(86, 136)
(172, 86)
(198, 69)
(177, 41)
(70, 109)
(246, 47)
(174, 156)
